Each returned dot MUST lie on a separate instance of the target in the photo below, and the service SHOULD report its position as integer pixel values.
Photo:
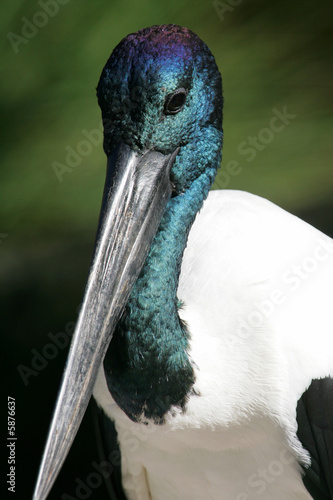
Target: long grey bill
(136, 192)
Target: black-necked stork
(206, 330)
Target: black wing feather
(315, 431)
(109, 452)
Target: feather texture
(256, 285)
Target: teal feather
(147, 365)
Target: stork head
(161, 100)
(161, 90)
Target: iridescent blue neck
(147, 365)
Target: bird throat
(147, 366)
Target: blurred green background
(272, 55)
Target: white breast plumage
(256, 284)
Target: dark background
(271, 55)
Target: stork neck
(147, 365)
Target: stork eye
(175, 102)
